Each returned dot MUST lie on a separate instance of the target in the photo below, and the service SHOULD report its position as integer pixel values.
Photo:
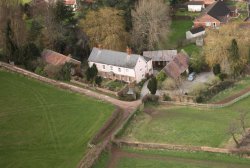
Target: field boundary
(212, 106)
(188, 148)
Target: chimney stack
(99, 46)
(129, 51)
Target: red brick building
(213, 16)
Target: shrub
(198, 88)
(161, 76)
(169, 84)
(216, 69)
(98, 80)
(150, 98)
(152, 85)
(222, 76)
(39, 70)
(166, 97)
(214, 80)
(52, 71)
(64, 73)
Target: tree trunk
(236, 141)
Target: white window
(141, 69)
(214, 24)
(103, 66)
(119, 69)
(126, 70)
(208, 23)
(111, 68)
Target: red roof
(177, 66)
(54, 58)
(70, 2)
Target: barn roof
(161, 55)
(177, 66)
(54, 58)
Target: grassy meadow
(177, 159)
(186, 125)
(139, 158)
(42, 126)
(238, 86)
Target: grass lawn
(175, 159)
(239, 86)
(185, 125)
(191, 48)
(42, 126)
(177, 33)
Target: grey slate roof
(161, 55)
(218, 10)
(115, 58)
(197, 30)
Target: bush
(222, 76)
(198, 89)
(216, 69)
(169, 84)
(39, 71)
(161, 76)
(203, 94)
(150, 98)
(122, 94)
(166, 97)
(214, 80)
(152, 85)
(52, 71)
(64, 73)
(98, 80)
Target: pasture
(42, 126)
(128, 157)
(186, 125)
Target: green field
(136, 158)
(238, 86)
(175, 159)
(185, 125)
(44, 127)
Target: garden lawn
(191, 48)
(239, 86)
(177, 33)
(175, 159)
(185, 125)
(45, 127)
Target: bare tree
(233, 129)
(242, 119)
(150, 21)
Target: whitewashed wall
(195, 8)
(115, 69)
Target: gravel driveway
(203, 77)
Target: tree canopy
(225, 45)
(150, 21)
(106, 26)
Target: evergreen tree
(152, 85)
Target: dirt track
(230, 98)
(118, 154)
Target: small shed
(195, 6)
(195, 32)
(57, 59)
